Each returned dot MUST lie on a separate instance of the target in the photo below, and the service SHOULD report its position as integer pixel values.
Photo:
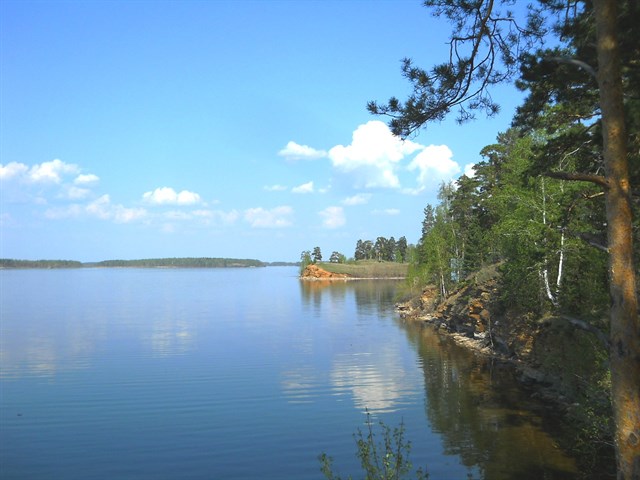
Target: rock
(313, 272)
(466, 330)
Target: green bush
(384, 460)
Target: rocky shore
(562, 360)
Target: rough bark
(625, 325)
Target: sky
(148, 128)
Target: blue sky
(140, 129)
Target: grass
(368, 269)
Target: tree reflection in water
(485, 417)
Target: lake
(243, 374)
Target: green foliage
(305, 260)
(387, 459)
(11, 263)
(538, 228)
(203, 262)
(384, 249)
(337, 257)
(189, 262)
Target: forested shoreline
(186, 262)
(553, 208)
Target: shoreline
(534, 379)
(346, 279)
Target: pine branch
(579, 177)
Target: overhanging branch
(575, 62)
(580, 177)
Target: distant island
(188, 262)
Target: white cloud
(358, 199)
(217, 216)
(168, 196)
(177, 215)
(46, 172)
(387, 211)
(373, 155)
(121, 214)
(469, 170)
(86, 179)
(70, 211)
(277, 217)
(275, 188)
(295, 151)
(101, 208)
(51, 172)
(12, 169)
(77, 193)
(333, 217)
(435, 165)
(304, 188)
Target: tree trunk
(625, 325)
(545, 267)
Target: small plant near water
(387, 459)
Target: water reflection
(370, 295)
(170, 337)
(372, 373)
(77, 312)
(483, 416)
(43, 344)
(377, 382)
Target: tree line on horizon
(185, 262)
(13, 263)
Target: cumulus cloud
(86, 179)
(295, 151)
(434, 165)
(358, 199)
(201, 217)
(217, 216)
(100, 208)
(168, 196)
(277, 217)
(103, 208)
(51, 172)
(373, 155)
(304, 188)
(275, 188)
(12, 169)
(77, 193)
(387, 211)
(333, 217)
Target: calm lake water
(242, 374)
